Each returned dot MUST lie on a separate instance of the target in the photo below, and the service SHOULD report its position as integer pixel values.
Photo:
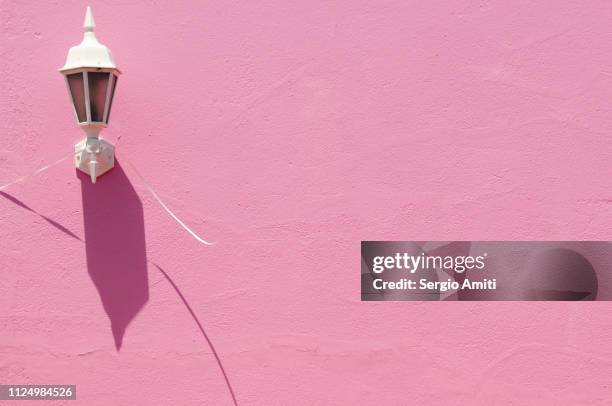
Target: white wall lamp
(91, 76)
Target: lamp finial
(89, 23)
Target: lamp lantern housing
(91, 77)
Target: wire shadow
(115, 247)
(47, 219)
(197, 321)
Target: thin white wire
(36, 172)
(163, 205)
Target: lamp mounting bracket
(94, 156)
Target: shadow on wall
(54, 223)
(115, 247)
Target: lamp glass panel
(98, 83)
(112, 94)
(77, 90)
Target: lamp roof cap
(90, 53)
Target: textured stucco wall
(286, 132)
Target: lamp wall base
(94, 156)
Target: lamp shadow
(115, 247)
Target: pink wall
(287, 132)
